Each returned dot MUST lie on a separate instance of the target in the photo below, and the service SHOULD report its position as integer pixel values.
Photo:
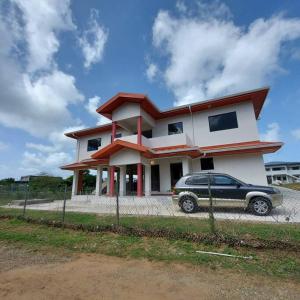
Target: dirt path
(102, 277)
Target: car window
(197, 180)
(223, 180)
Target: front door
(155, 185)
(176, 173)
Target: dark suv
(191, 192)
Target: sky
(61, 59)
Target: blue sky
(60, 59)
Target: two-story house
(148, 150)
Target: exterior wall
(248, 168)
(126, 111)
(125, 157)
(105, 140)
(246, 131)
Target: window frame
(175, 123)
(94, 139)
(207, 158)
(210, 121)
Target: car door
(227, 191)
(198, 184)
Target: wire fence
(153, 212)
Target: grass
(41, 238)
(249, 230)
(293, 186)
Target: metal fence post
(25, 202)
(64, 206)
(117, 199)
(211, 209)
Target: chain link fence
(157, 212)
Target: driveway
(289, 212)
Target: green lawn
(279, 263)
(293, 186)
(246, 230)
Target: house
(149, 149)
(28, 178)
(282, 171)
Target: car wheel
(260, 206)
(188, 204)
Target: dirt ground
(27, 275)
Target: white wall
(125, 111)
(125, 157)
(246, 131)
(247, 167)
(105, 140)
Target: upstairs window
(278, 169)
(93, 144)
(175, 128)
(117, 136)
(207, 163)
(223, 121)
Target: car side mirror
(238, 185)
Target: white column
(122, 188)
(186, 165)
(99, 181)
(147, 180)
(75, 182)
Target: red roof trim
(81, 165)
(256, 96)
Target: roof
(102, 156)
(243, 148)
(257, 97)
(280, 163)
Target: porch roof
(84, 164)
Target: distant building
(28, 178)
(285, 172)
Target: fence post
(117, 199)
(64, 206)
(25, 202)
(211, 209)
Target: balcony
(160, 141)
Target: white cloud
(151, 71)
(41, 147)
(93, 40)
(181, 7)
(208, 55)
(296, 134)
(272, 134)
(91, 106)
(3, 146)
(43, 20)
(37, 102)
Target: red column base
(139, 180)
(112, 181)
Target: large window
(223, 121)
(93, 144)
(175, 128)
(197, 180)
(207, 163)
(278, 169)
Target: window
(267, 169)
(223, 180)
(197, 180)
(118, 135)
(207, 163)
(295, 168)
(278, 169)
(147, 133)
(175, 128)
(93, 144)
(223, 121)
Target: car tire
(260, 206)
(188, 204)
